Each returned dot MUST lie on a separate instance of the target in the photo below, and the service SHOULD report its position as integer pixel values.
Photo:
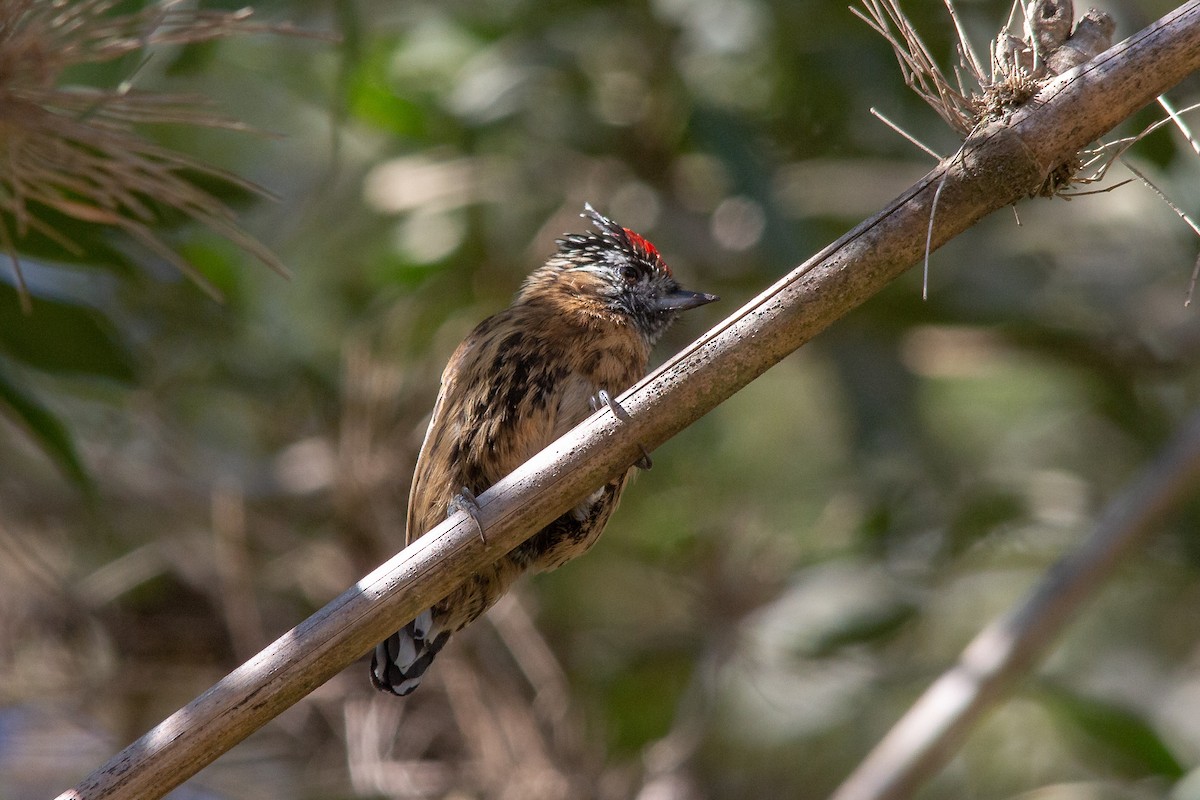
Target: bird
(578, 333)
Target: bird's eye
(631, 274)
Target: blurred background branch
(1006, 650)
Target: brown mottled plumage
(582, 324)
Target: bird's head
(615, 272)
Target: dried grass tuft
(1048, 43)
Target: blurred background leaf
(63, 338)
(1113, 738)
(45, 428)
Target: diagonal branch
(997, 166)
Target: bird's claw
(465, 501)
(645, 462)
(603, 399)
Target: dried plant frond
(1177, 119)
(77, 150)
(1048, 43)
(1094, 163)
(917, 64)
(914, 140)
(1061, 178)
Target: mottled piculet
(582, 325)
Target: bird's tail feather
(400, 660)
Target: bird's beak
(682, 300)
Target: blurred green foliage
(770, 597)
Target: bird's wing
(503, 398)
(448, 396)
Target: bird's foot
(603, 399)
(465, 501)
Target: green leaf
(1110, 736)
(45, 428)
(370, 99)
(644, 698)
(62, 337)
(219, 261)
(981, 511)
(82, 244)
(869, 626)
